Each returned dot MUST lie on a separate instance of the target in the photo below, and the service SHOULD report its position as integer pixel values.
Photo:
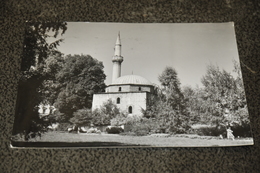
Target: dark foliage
(79, 78)
(106, 113)
(33, 72)
(212, 131)
(220, 102)
(114, 130)
(81, 117)
(64, 127)
(168, 105)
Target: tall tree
(194, 103)
(154, 102)
(36, 50)
(218, 91)
(168, 105)
(51, 87)
(225, 97)
(171, 88)
(239, 102)
(80, 77)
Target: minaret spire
(117, 59)
(118, 41)
(118, 46)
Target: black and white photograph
(87, 84)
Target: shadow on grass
(71, 144)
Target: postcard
(89, 84)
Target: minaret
(117, 59)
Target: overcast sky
(148, 48)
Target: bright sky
(148, 48)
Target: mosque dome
(131, 79)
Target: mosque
(130, 93)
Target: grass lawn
(65, 139)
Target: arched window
(118, 100)
(119, 89)
(139, 88)
(130, 109)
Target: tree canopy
(79, 78)
(168, 106)
(221, 101)
(105, 113)
(36, 50)
(50, 78)
(224, 96)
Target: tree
(81, 117)
(177, 111)
(105, 113)
(225, 97)
(36, 50)
(221, 102)
(193, 98)
(154, 102)
(51, 87)
(171, 88)
(239, 102)
(79, 78)
(218, 87)
(168, 105)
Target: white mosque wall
(129, 88)
(124, 88)
(137, 100)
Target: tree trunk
(27, 100)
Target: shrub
(64, 126)
(18, 137)
(138, 125)
(133, 119)
(140, 129)
(119, 120)
(238, 130)
(105, 113)
(242, 130)
(114, 130)
(81, 117)
(141, 126)
(211, 131)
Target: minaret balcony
(117, 58)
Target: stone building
(45, 109)
(130, 93)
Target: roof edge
(131, 84)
